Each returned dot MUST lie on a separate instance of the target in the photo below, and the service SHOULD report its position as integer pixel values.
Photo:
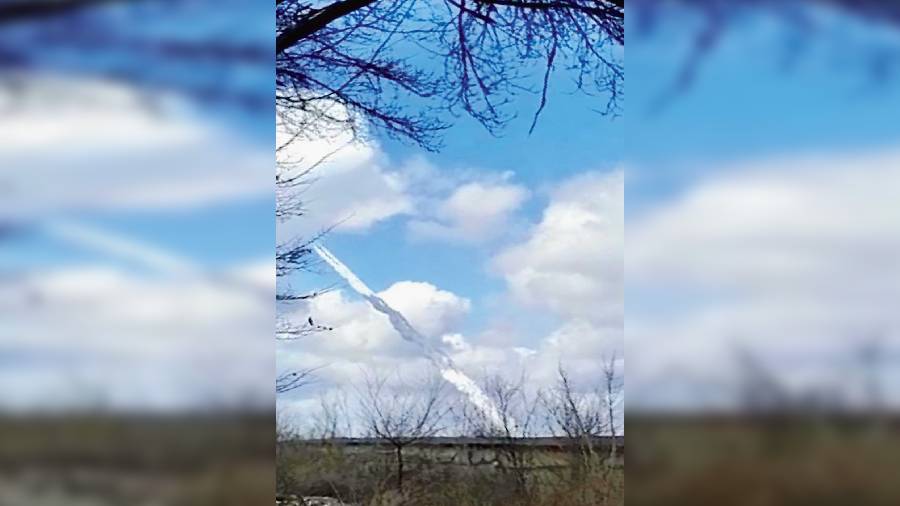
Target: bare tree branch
(350, 63)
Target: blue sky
(146, 212)
(570, 139)
(715, 258)
(764, 89)
(757, 204)
(80, 48)
(760, 205)
(166, 179)
(151, 226)
(472, 243)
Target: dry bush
(761, 462)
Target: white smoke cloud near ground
(441, 360)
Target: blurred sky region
(136, 215)
(761, 202)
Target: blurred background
(136, 239)
(762, 252)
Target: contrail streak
(151, 256)
(440, 359)
(344, 272)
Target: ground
(438, 477)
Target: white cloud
(571, 263)
(580, 347)
(352, 187)
(98, 146)
(103, 335)
(431, 310)
(473, 212)
(363, 336)
(780, 220)
(795, 259)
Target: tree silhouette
(404, 67)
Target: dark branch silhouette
(716, 17)
(407, 68)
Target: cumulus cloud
(363, 340)
(778, 221)
(363, 336)
(473, 212)
(569, 264)
(580, 347)
(99, 336)
(795, 259)
(431, 310)
(351, 188)
(572, 261)
(104, 149)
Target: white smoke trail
(440, 359)
(344, 272)
(151, 256)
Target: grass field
(763, 461)
(447, 477)
(89, 460)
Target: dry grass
(762, 462)
(217, 459)
(369, 479)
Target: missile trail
(437, 357)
